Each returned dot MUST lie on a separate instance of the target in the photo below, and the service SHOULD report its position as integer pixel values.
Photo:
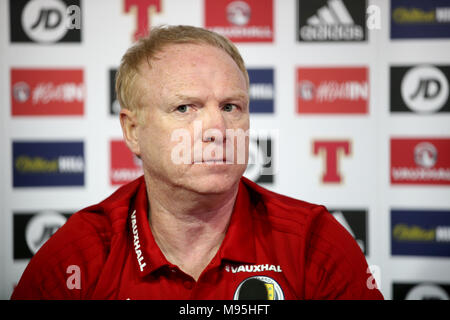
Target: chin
(214, 182)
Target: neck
(189, 227)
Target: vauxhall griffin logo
(425, 155)
(238, 13)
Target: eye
(183, 108)
(229, 107)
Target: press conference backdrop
(349, 105)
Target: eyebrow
(234, 96)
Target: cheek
(163, 146)
(153, 142)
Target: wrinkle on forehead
(183, 67)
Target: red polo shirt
(275, 248)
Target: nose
(213, 123)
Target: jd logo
(41, 227)
(425, 89)
(45, 21)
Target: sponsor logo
(261, 90)
(420, 19)
(137, 245)
(125, 165)
(421, 291)
(261, 165)
(253, 268)
(114, 105)
(355, 222)
(239, 20)
(143, 9)
(36, 92)
(420, 232)
(48, 164)
(420, 161)
(332, 151)
(332, 90)
(45, 21)
(423, 89)
(259, 288)
(32, 230)
(332, 20)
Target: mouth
(213, 161)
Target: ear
(130, 124)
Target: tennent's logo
(143, 11)
(332, 151)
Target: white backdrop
(106, 33)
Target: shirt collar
(238, 244)
(148, 256)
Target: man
(192, 227)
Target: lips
(213, 161)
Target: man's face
(194, 97)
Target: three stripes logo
(332, 20)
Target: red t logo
(142, 15)
(332, 151)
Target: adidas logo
(331, 22)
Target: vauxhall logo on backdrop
(45, 21)
(331, 20)
(239, 20)
(420, 161)
(124, 165)
(422, 89)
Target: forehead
(190, 65)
